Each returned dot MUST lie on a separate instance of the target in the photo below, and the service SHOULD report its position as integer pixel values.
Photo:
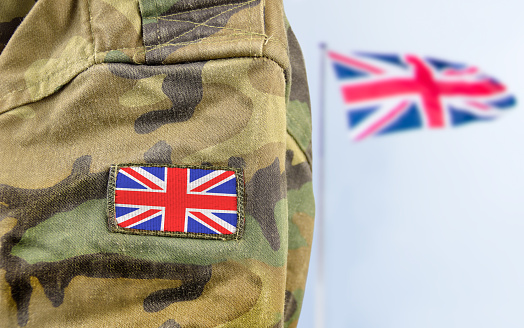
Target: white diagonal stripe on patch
(151, 177)
(202, 223)
(220, 182)
(202, 180)
(216, 219)
(138, 211)
(148, 218)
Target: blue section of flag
(389, 58)
(154, 224)
(123, 181)
(358, 115)
(504, 103)
(196, 227)
(440, 64)
(195, 174)
(119, 211)
(409, 120)
(228, 187)
(344, 72)
(158, 172)
(460, 117)
(230, 218)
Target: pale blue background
(425, 228)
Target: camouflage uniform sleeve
(91, 85)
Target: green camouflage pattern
(87, 84)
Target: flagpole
(320, 287)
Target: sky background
(424, 228)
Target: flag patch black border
(240, 194)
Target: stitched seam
(81, 61)
(203, 40)
(131, 48)
(251, 37)
(140, 50)
(199, 24)
(167, 44)
(263, 19)
(217, 27)
(91, 29)
(200, 9)
(157, 26)
(73, 64)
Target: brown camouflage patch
(182, 85)
(7, 29)
(265, 189)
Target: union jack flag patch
(181, 201)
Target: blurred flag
(386, 93)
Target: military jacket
(94, 93)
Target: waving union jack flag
(388, 93)
(176, 199)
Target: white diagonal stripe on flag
(208, 177)
(139, 210)
(159, 182)
(213, 217)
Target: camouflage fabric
(90, 83)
